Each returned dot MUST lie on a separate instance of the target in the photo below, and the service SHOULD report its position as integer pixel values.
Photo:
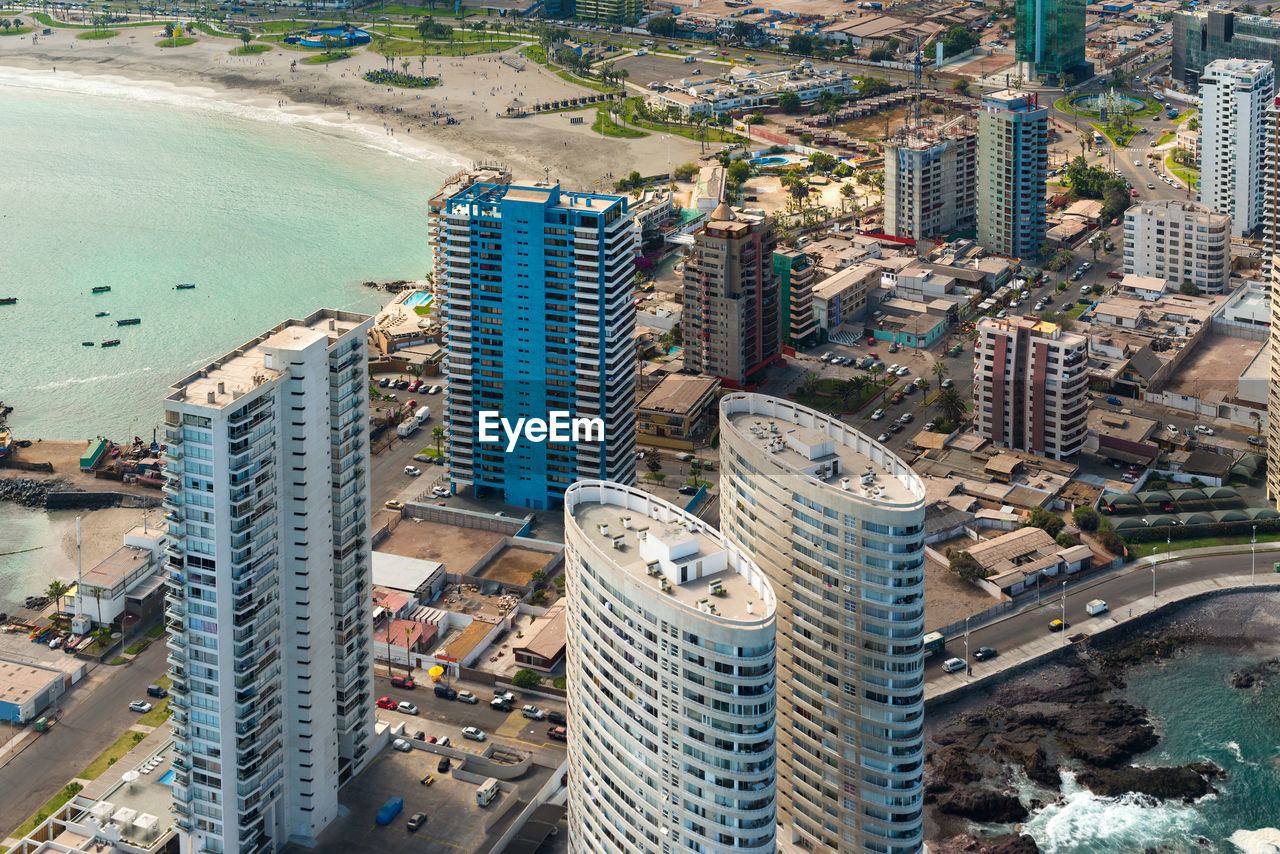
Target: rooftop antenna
(79, 574)
(917, 69)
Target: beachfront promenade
(1023, 637)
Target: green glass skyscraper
(1050, 40)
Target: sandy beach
(473, 91)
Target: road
(89, 725)
(1119, 591)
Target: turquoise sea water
(1200, 717)
(140, 189)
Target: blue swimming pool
(347, 36)
(417, 298)
(768, 161)
(167, 777)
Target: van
(156, 691)
(486, 792)
(1096, 607)
(389, 811)
(684, 456)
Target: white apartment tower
(268, 594)
(1029, 386)
(1179, 242)
(836, 521)
(930, 182)
(671, 679)
(1234, 97)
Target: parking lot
(651, 68)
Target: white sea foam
(1126, 823)
(213, 100)
(1265, 840)
(1238, 754)
(70, 381)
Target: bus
(934, 644)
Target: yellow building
(679, 412)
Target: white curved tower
(671, 681)
(836, 521)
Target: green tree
(809, 385)
(1188, 288)
(951, 406)
(923, 385)
(800, 43)
(966, 566)
(822, 161)
(743, 32)
(437, 433)
(1049, 522)
(880, 54)
(539, 596)
(940, 370)
(663, 25)
(245, 38)
(686, 171)
(653, 460)
(961, 86)
(56, 591)
(1086, 519)
(526, 678)
(538, 577)
(789, 102)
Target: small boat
(129, 321)
(8, 300)
(6, 441)
(101, 289)
(185, 286)
(86, 343)
(102, 314)
(111, 343)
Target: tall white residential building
(1179, 242)
(836, 521)
(1029, 386)
(1234, 97)
(268, 594)
(931, 181)
(671, 681)
(1013, 160)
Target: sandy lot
(514, 566)
(473, 90)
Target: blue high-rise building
(538, 289)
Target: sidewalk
(951, 686)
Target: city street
(1119, 591)
(90, 724)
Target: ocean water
(1200, 717)
(141, 188)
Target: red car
(402, 682)
(1115, 274)
(415, 385)
(874, 355)
(898, 398)
(386, 703)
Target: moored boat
(185, 286)
(111, 343)
(6, 441)
(102, 314)
(129, 321)
(86, 343)
(8, 300)
(101, 289)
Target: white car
(877, 415)
(951, 665)
(903, 371)
(1172, 428)
(140, 706)
(401, 745)
(1203, 430)
(473, 733)
(406, 707)
(882, 438)
(412, 471)
(435, 389)
(439, 491)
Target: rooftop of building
(547, 636)
(399, 572)
(811, 444)
(1010, 100)
(1118, 425)
(1169, 207)
(226, 380)
(118, 567)
(20, 682)
(1038, 328)
(486, 173)
(539, 194)
(842, 280)
(1144, 283)
(1212, 370)
(679, 394)
(668, 538)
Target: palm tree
(809, 385)
(56, 591)
(848, 192)
(1257, 422)
(940, 370)
(245, 38)
(874, 371)
(950, 406)
(437, 433)
(923, 385)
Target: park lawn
(180, 41)
(98, 34)
(405, 48)
(1119, 139)
(247, 49)
(604, 124)
(1185, 174)
(325, 58)
(210, 30)
(16, 31)
(712, 134)
(1138, 550)
(414, 11)
(110, 756)
(825, 401)
(581, 81)
(430, 451)
(1185, 115)
(285, 26)
(50, 22)
(158, 715)
(536, 53)
(1077, 311)
(1167, 136)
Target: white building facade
(1234, 97)
(1179, 242)
(268, 595)
(671, 674)
(836, 521)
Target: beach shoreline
(473, 91)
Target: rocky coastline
(980, 753)
(30, 492)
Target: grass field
(15, 31)
(405, 48)
(604, 124)
(180, 41)
(96, 35)
(1165, 137)
(326, 58)
(1145, 549)
(50, 22)
(247, 49)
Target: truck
(389, 811)
(486, 792)
(407, 428)
(1096, 607)
(934, 644)
(423, 413)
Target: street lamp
(1064, 613)
(1153, 581)
(967, 668)
(1253, 547)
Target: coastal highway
(89, 725)
(1120, 592)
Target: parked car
(985, 653)
(384, 382)
(439, 491)
(930, 424)
(892, 369)
(557, 718)
(903, 371)
(401, 745)
(895, 427)
(394, 505)
(156, 691)
(882, 438)
(468, 698)
(948, 382)
(688, 489)
(500, 704)
(406, 707)
(435, 389)
(473, 733)
(1203, 430)
(877, 415)
(412, 471)
(1256, 441)
(444, 692)
(416, 821)
(1058, 626)
(386, 703)
(444, 766)
(906, 418)
(559, 733)
(1113, 400)
(402, 682)
(140, 706)
(533, 713)
(952, 665)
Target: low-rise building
(1142, 287)
(679, 412)
(27, 690)
(542, 647)
(103, 594)
(842, 298)
(1017, 561)
(651, 212)
(745, 87)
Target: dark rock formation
(1186, 783)
(983, 805)
(1009, 843)
(1259, 675)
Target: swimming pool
(417, 298)
(167, 777)
(769, 161)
